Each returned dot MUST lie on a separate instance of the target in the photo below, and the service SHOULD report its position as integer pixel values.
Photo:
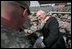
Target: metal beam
(46, 2)
(62, 12)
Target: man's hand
(46, 18)
(38, 45)
(65, 26)
(29, 31)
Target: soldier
(64, 27)
(69, 19)
(13, 15)
(35, 27)
(68, 31)
(32, 31)
(34, 21)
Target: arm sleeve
(40, 26)
(53, 33)
(33, 28)
(25, 30)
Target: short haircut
(41, 11)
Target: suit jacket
(52, 37)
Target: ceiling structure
(46, 2)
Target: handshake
(29, 31)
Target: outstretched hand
(38, 45)
(46, 18)
(29, 31)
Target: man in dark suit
(52, 37)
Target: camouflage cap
(65, 16)
(54, 15)
(34, 18)
(32, 15)
(49, 13)
(24, 3)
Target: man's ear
(24, 12)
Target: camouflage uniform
(68, 31)
(37, 28)
(37, 31)
(31, 16)
(61, 23)
(69, 19)
(65, 30)
(11, 38)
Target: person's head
(64, 18)
(54, 15)
(41, 15)
(14, 13)
(34, 21)
(32, 15)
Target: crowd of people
(21, 29)
(64, 20)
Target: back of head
(12, 13)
